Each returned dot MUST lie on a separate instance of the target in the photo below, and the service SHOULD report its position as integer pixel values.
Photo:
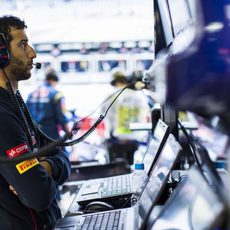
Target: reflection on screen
(157, 138)
(194, 206)
(166, 22)
(158, 177)
(180, 14)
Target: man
(47, 106)
(130, 107)
(27, 189)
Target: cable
(98, 121)
(31, 121)
(85, 135)
(191, 144)
(103, 102)
(43, 151)
(75, 126)
(52, 143)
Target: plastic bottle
(139, 180)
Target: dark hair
(118, 77)
(8, 22)
(52, 76)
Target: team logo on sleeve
(17, 150)
(26, 165)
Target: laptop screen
(159, 175)
(194, 205)
(159, 136)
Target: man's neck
(4, 80)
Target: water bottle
(139, 180)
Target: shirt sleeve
(61, 166)
(34, 187)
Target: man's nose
(32, 53)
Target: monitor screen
(159, 136)
(166, 21)
(213, 140)
(159, 175)
(180, 15)
(193, 205)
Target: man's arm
(33, 185)
(58, 166)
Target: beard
(19, 70)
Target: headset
(4, 52)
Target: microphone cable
(98, 121)
(75, 125)
(46, 150)
(53, 144)
(191, 145)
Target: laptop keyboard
(109, 220)
(116, 185)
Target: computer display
(180, 15)
(159, 136)
(166, 21)
(213, 140)
(219, 181)
(193, 205)
(158, 177)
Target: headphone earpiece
(4, 52)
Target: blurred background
(84, 40)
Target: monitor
(165, 19)
(160, 134)
(180, 15)
(158, 178)
(194, 205)
(217, 180)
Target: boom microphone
(37, 65)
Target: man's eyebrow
(22, 41)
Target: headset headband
(4, 52)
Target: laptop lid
(194, 205)
(217, 180)
(159, 136)
(159, 175)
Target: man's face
(21, 56)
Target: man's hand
(47, 167)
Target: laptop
(120, 187)
(132, 217)
(207, 165)
(193, 205)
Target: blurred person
(28, 188)
(130, 107)
(47, 106)
(137, 75)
